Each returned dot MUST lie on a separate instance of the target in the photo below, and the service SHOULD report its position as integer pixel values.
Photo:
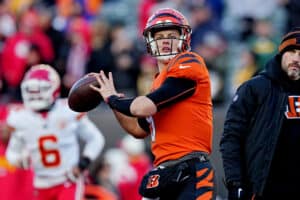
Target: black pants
(274, 193)
(200, 186)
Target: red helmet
(40, 87)
(164, 19)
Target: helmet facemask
(167, 19)
(40, 88)
(152, 44)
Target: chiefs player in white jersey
(50, 132)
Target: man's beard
(294, 74)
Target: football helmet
(165, 19)
(40, 87)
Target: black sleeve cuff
(144, 124)
(120, 104)
(84, 163)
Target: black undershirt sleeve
(144, 124)
(171, 91)
(120, 104)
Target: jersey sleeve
(16, 152)
(92, 136)
(14, 118)
(187, 65)
(15, 149)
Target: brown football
(81, 97)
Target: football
(81, 97)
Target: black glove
(236, 191)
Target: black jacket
(252, 127)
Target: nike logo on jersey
(184, 66)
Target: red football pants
(65, 191)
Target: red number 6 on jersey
(52, 154)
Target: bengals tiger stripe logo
(293, 108)
(153, 181)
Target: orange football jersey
(185, 126)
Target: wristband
(120, 104)
(111, 101)
(84, 163)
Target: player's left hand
(5, 132)
(73, 174)
(107, 87)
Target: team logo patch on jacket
(153, 181)
(293, 108)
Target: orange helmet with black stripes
(165, 19)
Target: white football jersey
(52, 141)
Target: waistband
(48, 181)
(202, 156)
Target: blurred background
(79, 36)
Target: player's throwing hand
(107, 87)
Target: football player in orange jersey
(177, 113)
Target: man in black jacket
(261, 137)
